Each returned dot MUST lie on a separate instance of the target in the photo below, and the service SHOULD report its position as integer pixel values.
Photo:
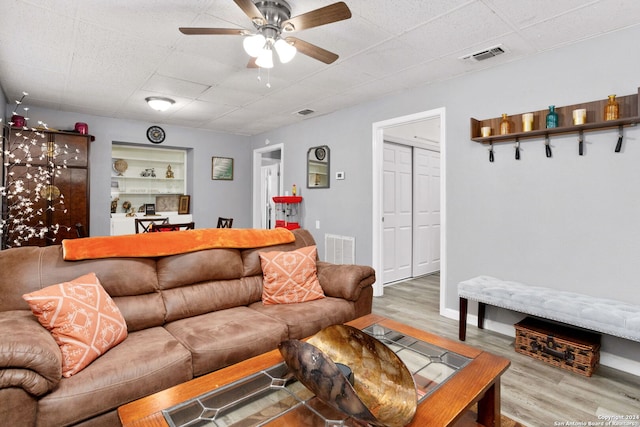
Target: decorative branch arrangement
(29, 194)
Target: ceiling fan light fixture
(265, 58)
(285, 50)
(159, 103)
(253, 44)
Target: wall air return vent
(481, 55)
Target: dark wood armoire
(64, 200)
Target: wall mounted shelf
(629, 116)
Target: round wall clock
(155, 134)
(320, 153)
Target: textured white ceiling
(104, 57)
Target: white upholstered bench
(607, 316)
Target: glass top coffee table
(450, 377)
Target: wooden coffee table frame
(477, 382)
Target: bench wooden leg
(462, 322)
(481, 310)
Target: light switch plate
(339, 175)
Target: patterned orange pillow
(290, 276)
(82, 318)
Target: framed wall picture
(222, 168)
(184, 205)
(150, 209)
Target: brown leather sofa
(187, 315)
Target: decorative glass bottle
(505, 125)
(552, 117)
(612, 109)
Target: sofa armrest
(345, 281)
(29, 356)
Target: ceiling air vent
(481, 55)
(305, 112)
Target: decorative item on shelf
(579, 116)
(294, 190)
(169, 173)
(18, 121)
(485, 131)
(126, 205)
(552, 117)
(184, 204)
(81, 128)
(148, 173)
(120, 166)
(527, 122)
(114, 205)
(505, 125)
(612, 109)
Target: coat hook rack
(547, 146)
(619, 144)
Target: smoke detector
(483, 54)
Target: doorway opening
(267, 182)
(384, 131)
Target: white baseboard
(606, 359)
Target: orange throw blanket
(172, 243)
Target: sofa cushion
(307, 318)
(82, 318)
(290, 276)
(146, 362)
(225, 337)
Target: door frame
(257, 163)
(377, 196)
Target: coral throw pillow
(82, 318)
(290, 276)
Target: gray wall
(209, 199)
(568, 222)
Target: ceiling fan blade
(312, 50)
(252, 63)
(250, 9)
(325, 15)
(217, 31)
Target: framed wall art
(222, 168)
(184, 205)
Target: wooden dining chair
(225, 222)
(143, 224)
(173, 227)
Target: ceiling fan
(272, 20)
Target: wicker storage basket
(568, 348)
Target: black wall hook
(619, 144)
(547, 147)
(517, 149)
(581, 143)
(491, 153)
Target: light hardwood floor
(533, 393)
